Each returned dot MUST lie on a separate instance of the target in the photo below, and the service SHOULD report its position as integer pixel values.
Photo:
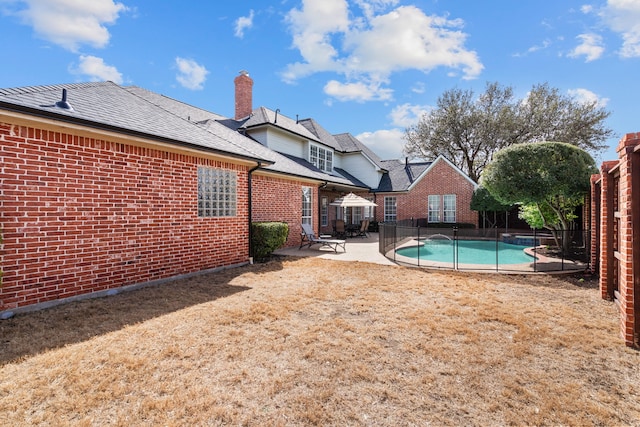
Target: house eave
(27, 115)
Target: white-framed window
(390, 209)
(449, 208)
(434, 208)
(217, 192)
(357, 215)
(321, 158)
(368, 212)
(306, 205)
(324, 211)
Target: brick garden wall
(80, 215)
(618, 239)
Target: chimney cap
(244, 73)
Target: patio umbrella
(352, 201)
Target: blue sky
(367, 67)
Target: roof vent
(63, 102)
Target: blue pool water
(469, 252)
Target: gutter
(250, 213)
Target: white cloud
(406, 115)
(623, 17)
(586, 8)
(97, 70)
(586, 96)
(406, 38)
(591, 47)
(191, 75)
(312, 29)
(536, 47)
(387, 144)
(370, 7)
(358, 91)
(368, 49)
(419, 87)
(71, 23)
(243, 23)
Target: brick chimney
(244, 95)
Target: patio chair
(340, 230)
(309, 238)
(364, 227)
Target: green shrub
(267, 237)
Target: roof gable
(403, 176)
(439, 159)
(321, 133)
(351, 144)
(263, 116)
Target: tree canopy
(548, 179)
(469, 130)
(482, 200)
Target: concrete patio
(357, 249)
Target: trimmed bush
(267, 237)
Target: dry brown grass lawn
(317, 342)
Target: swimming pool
(468, 252)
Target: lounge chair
(309, 238)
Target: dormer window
(321, 158)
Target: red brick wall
(441, 179)
(618, 239)
(277, 199)
(81, 215)
(629, 223)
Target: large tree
(482, 201)
(469, 130)
(549, 180)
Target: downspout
(250, 211)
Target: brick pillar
(594, 224)
(629, 245)
(606, 227)
(244, 95)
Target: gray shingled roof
(107, 105)
(179, 108)
(350, 143)
(262, 116)
(280, 163)
(400, 175)
(297, 166)
(321, 133)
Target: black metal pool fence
(547, 253)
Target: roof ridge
(206, 129)
(23, 90)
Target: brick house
(615, 221)
(105, 186)
(429, 193)
(103, 189)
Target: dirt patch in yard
(319, 342)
